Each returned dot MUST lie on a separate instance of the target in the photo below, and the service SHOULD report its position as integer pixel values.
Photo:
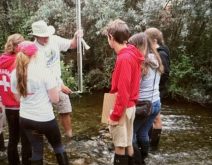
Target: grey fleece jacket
(146, 91)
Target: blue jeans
(35, 131)
(142, 126)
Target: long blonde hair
(26, 50)
(12, 42)
(142, 42)
(22, 62)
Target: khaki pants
(64, 104)
(122, 135)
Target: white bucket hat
(41, 29)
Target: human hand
(65, 89)
(78, 33)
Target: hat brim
(50, 31)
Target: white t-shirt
(50, 54)
(36, 105)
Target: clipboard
(108, 105)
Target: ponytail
(22, 62)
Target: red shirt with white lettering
(7, 65)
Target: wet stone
(91, 151)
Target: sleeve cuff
(114, 117)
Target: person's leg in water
(32, 131)
(65, 119)
(14, 136)
(64, 108)
(122, 136)
(54, 137)
(155, 132)
(26, 149)
(3, 153)
(143, 132)
(138, 123)
(156, 129)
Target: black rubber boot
(120, 159)
(144, 150)
(36, 162)
(131, 160)
(2, 145)
(137, 155)
(62, 159)
(155, 138)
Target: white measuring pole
(79, 47)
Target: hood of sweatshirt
(7, 61)
(153, 62)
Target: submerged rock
(96, 150)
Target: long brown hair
(12, 42)
(22, 62)
(155, 34)
(139, 40)
(142, 42)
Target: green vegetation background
(187, 28)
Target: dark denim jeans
(35, 131)
(15, 134)
(142, 126)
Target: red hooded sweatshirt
(126, 79)
(7, 65)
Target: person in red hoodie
(125, 83)
(7, 65)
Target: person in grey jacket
(156, 37)
(152, 69)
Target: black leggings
(15, 134)
(35, 131)
(2, 146)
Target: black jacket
(165, 58)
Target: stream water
(186, 137)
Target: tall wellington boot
(155, 138)
(120, 159)
(62, 158)
(131, 160)
(137, 155)
(2, 145)
(144, 150)
(36, 162)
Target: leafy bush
(182, 72)
(97, 79)
(67, 75)
(186, 26)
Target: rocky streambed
(96, 150)
(85, 150)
